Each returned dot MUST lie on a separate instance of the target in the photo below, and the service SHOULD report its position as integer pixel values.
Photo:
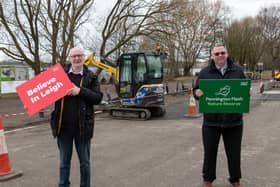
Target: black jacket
(233, 71)
(89, 95)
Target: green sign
(7, 73)
(224, 95)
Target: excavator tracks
(130, 113)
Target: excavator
(139, 84)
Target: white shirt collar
(71, 71)
(223, 67)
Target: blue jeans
(65, 145)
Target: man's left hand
(74, 91)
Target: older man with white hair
(72, 120)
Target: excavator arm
(112, 71)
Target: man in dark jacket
(215, 125)
(73, 118)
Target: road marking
(35, 126)
(272, 92)
(21, 129)
(20, 113)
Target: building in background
(12, 74)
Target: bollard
(41, 114)
(193, 83)
(183, 86)
(177, 86)
(108, 97)
(166, 87)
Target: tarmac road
(162, 152)
(14, 115)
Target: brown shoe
(236, 184)
(207, 184)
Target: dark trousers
(232, 138)
(65, 144)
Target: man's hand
(74, 91)
(251, 92)
(198, 92)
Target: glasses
(220, 53)
(77, 56)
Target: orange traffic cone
(6, 172)
(192, 112)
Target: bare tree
(269, 21)
(128, 20)
(244, 42)
(194, 28)
(218, 20)
(38, 28)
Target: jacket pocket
(88, 129)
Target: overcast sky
(243, 8)
(240, 8)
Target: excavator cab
(140, 80)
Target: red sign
(44, 89)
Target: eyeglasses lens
(220, 53)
